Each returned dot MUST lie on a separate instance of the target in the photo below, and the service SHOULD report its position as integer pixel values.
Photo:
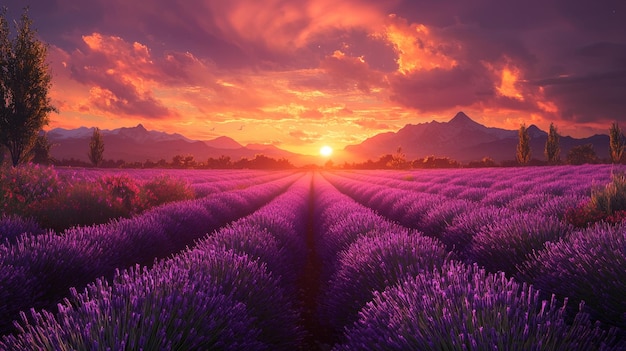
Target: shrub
(441, 215)
(21, 186)
(612, 197)
(371, 264)
(78, 204)
(164, 189)
(45, 262)
(122, 190)
(461, 231)
(12, 227)
(464, 308)
(607, 203)
(502, 245)
(142, 311)
(588, 265)
(249, 282)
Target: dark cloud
(440, 89)
(347, 71)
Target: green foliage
(553, 150)
(616, 143)
(607, 204)
(436, 162)
(611, 197)
(41, 150)
(523, 147)
(24, 85)
(96, 148)
(485, 162)
(581, 154)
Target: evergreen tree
(24, 85)
(523, 146)
(96, 147)
(553, 150)
(616, 143)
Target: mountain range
(137, 144)
(461, 139)
(465, 140)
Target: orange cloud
(508, 85)
(416, 45)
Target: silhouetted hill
(136, 144)
(464, 140)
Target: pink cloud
(119, 75)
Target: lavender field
(530, 258)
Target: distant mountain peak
(461, 118)
(535, 132)
(223, 142)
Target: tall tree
(24, 85)
(96, 147)
(523, 146)
(553, 150)
(616, 143)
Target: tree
(24, 85)
(553, 150)
(398, 161)
(582, 154)
(616, 143)
(96, 147)
(523, 146)
(40, 152)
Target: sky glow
(297, 74)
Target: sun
(326, 151)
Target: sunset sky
(307, 73)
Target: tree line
(577, 155)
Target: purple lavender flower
(464, 308)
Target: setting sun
(326, 151)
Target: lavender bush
(463, 307)
(587, 265)
(54, 263)
(12, 227)
(371, 264)
(163, 309)
(500, 246)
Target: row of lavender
(235, 290)
(383, 286)
(204, 182)
(389, 287)
(523, 234)
(38, 269)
